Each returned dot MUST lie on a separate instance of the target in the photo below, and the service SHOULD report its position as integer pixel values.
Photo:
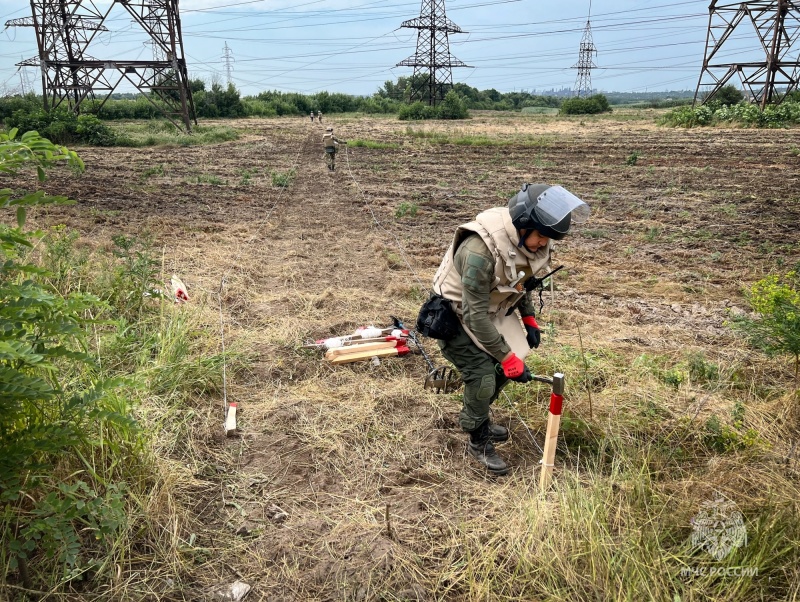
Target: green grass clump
(372, 144)
(283, 179)
(477, 139)
(163, 133)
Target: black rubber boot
(482, 449)
(497, 433)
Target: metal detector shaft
(399, 324)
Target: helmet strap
(523, 235)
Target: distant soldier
(331, 144)
(319, 116)
(312, 116)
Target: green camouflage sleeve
(475, 264)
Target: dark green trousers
(482, 382)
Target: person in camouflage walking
(331, 144)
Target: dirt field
(351, 482)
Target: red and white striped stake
(553, 424)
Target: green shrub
(219, 102)
(746, 114)
(10, 104)
(687, 117)
(406, 209)
(45, 413)
(416, 111)
(776, 329)
(452, 107)
(91, 130)
(590, 105)
(64, 127)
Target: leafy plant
(405, 209)
(283, 179)
(726, 438)
(632, 158)
(45, 415)
(776, 329)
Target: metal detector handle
(532, 283)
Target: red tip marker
(556, 402)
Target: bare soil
(343, 475)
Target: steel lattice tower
(433, 64)
(64, 30)
(227, 58)
(776, 24)
(583, 83)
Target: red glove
(532, 332)
(515, 369)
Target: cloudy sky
(352, 46)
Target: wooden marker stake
(230, 419)
(553, 424)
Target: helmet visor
(555, 203)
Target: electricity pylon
(25, 80)
(66, 28)
(227, 58)
(583, 83)
(776, 25)
(433, 64)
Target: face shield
(556, 203)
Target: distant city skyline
(352, 46)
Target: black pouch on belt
(437, 319)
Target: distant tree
(219, 102)
(493, 95)
(729, 95)
(197, 85)
(394, 90)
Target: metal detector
(444, 379)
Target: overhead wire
(281, 67)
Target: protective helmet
(328, 129)
(550, 210)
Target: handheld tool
(443, 379)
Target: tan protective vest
(329, 140)
(495, 228)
